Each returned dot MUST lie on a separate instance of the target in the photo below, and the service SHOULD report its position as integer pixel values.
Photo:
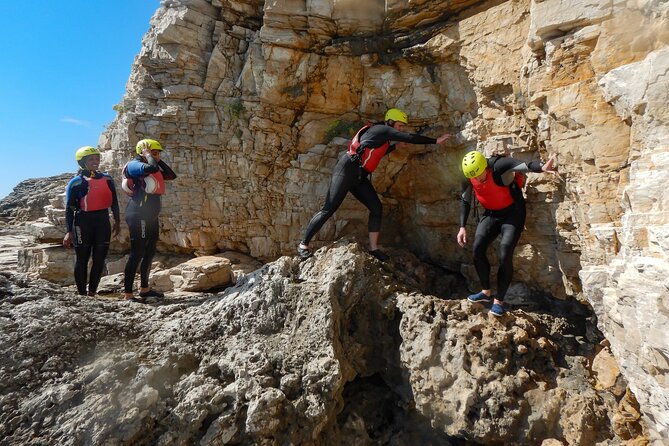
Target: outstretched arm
(505, 168)
(414, 138)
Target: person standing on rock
(144, 181)
(351, 174)
(497, 183)
(88, 197)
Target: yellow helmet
(150, 144)
(82, 153)
(473, 164)
(395, 114)
(85, 151)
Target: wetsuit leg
(366, 194)
(100, 247)
(511, 230)
(137, 228)
(83, 253)
(486, 232)
(152, 233)
(82, 240)
(346, 175)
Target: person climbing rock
(144, 181)
(88, 197)
(497, 183)
(352, 171)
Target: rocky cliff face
(254, 101)
(337, 350)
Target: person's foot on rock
(382, 256)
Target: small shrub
(234, 108)
(341, 128)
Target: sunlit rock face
(337, 350)
(255, 100)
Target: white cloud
(75, 121)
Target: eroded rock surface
(255, 101)
(340, 349)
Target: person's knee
(480, 249)
(506, 252)
(325, 214)
(376, 209)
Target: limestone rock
(254, 101)
(199, 274)
(625, 422)
(12, 239)
(522, 397)
(606, 369)
(626, 292)
(45, 231)
(240, 264)
(29, 198)
(275, 359)
(49, 262)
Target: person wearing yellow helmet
(148, 144)
(396, 115)
(496, 182)
(144, 180)
(88, 197)
(352, 174)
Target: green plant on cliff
(234, 108)
(120, 108)
(341, 128)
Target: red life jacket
(153, 183)
(371, 156)
(493, 196)
(99, 195)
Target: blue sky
(63, 67)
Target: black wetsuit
(349, 176)
(509, 221)
(141, 215)
(91, 230)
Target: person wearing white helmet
(88, 197)
(351, 174)
(497, 183)
(144, 181)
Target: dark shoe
(382, 256)
(137, 300)
(152, 293)
(497, 310)
(479, 297)
(304, 253)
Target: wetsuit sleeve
(413, 138)
(168, 173)
(504, 169)
(465, 202)
(138, 168)
(114, 207)
(71, 195)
